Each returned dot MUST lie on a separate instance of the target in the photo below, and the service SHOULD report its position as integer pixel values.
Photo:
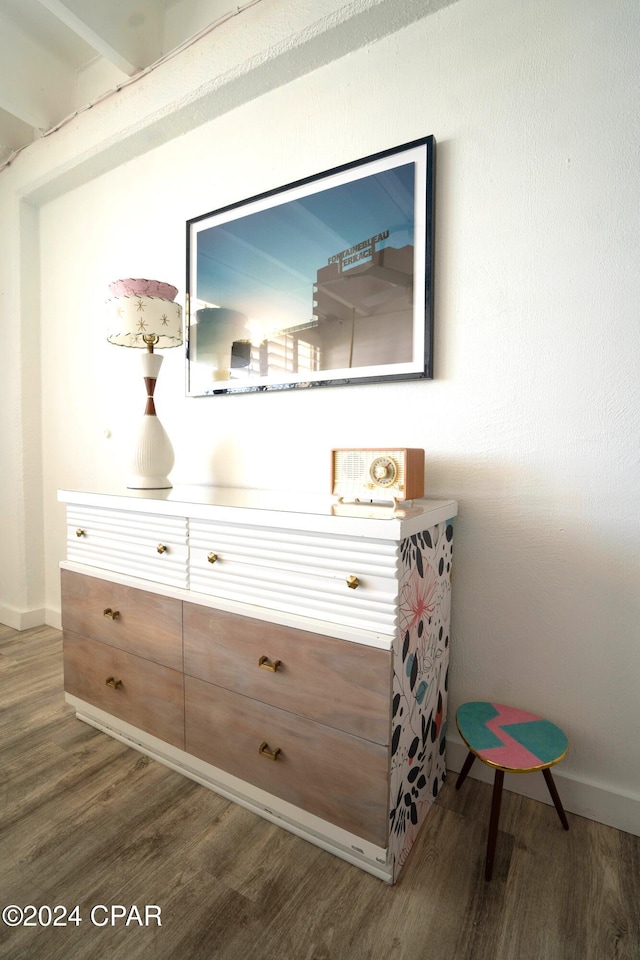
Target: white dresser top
(318, 513)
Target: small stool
(512, 741)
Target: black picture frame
(325, 281)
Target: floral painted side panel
(421, 661)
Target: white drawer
(302, 573)
(141, 545)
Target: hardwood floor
(88, 821)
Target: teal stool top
(513, 741)
(510, 739)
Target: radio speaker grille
(351, 466)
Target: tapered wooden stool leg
(462, 776)
(556, 798)
(499, 734)
(493, 822)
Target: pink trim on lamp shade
(143, 288)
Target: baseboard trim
(586, 799)
(53, 618)
(22, 619)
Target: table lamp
(142, 314)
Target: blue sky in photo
(265, 264)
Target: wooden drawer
(301, 573)
(144, 694)
(338, 777)
(142, 623)
(141, 545)
(345, 685)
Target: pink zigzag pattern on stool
(511, 754)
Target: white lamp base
(149, 483)
(152, 458)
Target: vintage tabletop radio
(377, 474)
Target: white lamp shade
(132, 318)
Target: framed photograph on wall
(328, 280)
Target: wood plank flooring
(85, 820)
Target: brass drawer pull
(80, 532)
(112, 682)
(161, 548)
(353, 582)
(212, 557)
(267, 664)
(264, 751)
(111, 614)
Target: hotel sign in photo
(361, 251)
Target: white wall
(532, 422)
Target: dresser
(290, 653)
